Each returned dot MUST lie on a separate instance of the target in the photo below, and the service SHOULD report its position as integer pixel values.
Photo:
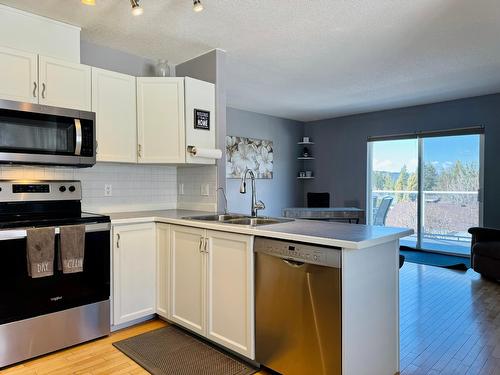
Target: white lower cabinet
(134, 272)
(187, 278)
(230, 297)
(202, 280)
(212, 286)
(163, 270)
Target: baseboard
(132, 322)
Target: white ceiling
(311, 59)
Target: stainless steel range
(44, 314)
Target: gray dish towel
(40, 251)
(72, 249)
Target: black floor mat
(171, 351)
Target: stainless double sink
(239, 219)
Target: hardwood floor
(450, 322)
(450, 325)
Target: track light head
(197, 5)
(137, 10)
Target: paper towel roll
(207, 153)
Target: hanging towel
(40, 251)
(72, 248)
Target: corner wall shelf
(305, 178)
(305, 143)
(305, 158)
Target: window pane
(394, 185)
(450, 192)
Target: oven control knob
(72, 188)
(62, 189)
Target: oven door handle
(78, 134)
(16, 234)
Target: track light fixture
(197, 5)
(137, 10)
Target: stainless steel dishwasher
(298, 307)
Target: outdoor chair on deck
(382, 211)
(485, 252)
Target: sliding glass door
(430, 184)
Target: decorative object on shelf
(201, 119)
(197, 6)
(162, 68)
(251, 153)
(305, 156)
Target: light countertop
(349, 236)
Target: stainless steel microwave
(38, 134)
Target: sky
(390, 156)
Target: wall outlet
(205, 190)
(181, 189)
(108, 190)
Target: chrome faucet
(225, 198)
(256, 205)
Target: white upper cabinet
(134, 272)
(230, 307)
(18, 75)
(200, 98)
(114, 102)
(64, 84)
(160, 120)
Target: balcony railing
(446, 215)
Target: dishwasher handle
(293, 263)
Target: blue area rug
(433, 259)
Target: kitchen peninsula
(197, 266)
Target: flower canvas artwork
(243, 153)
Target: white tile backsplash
(193, 178)
(135, 187)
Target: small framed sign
(201, 119)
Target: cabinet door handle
(96, 146)
(205, 246)
(139, 150)
(118, 240)
(43, 90)
(200, 247)
(34, 89)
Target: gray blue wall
(117, 61)
(283, 190)
(341, 145)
